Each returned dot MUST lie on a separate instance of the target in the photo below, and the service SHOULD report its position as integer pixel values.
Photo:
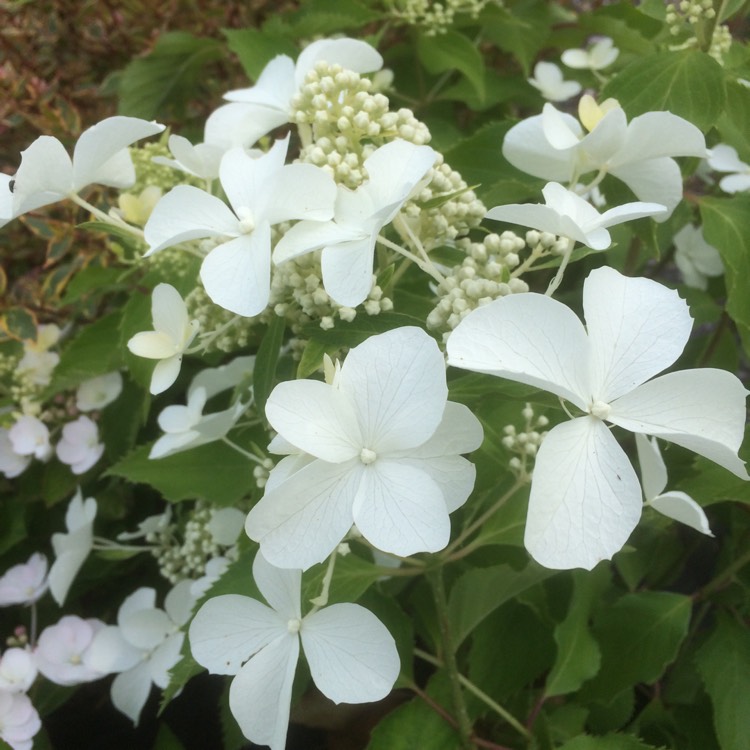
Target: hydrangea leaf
(452, 51)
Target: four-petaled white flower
(98, 392)
(379, 447)
(47, 174)
(30, 437)
(79, 446)
(554, 146)
(568, 215)
(696, 259)
(674, 504)
(599, 55)
(585, 496)
(24, 583)
(72, 548)
(19, 720)
(18, 670)
(548, 81)
(723, 158)
(172, 335)
(351, 655)
(11, 464)
(262, 192)
(60, 652)
(348, 241)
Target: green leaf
(19, 324)
(607, 742)
(639, 636)
(91, 279)
(264, 374)
(726, 226)
(352, 577)
(256, 48)
(171, 74)
(687, 83)
(733, 123)
(450, 51)
(213, 472)
(482, 590)
(708, 483)
(521, 31)
(167, 740)
(578, 654)
(122, 419)
(724, 664)
(361, 328)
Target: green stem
(435, 579)
(552, 288)
(537, 253)
(428, 269)
(322, 599)
(250, 456)
(106, 218)
(479, 693)
(723, 578)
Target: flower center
(367, 457)
(600, 409)
(294, 625)
(247, 220)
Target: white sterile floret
(351, 655)
(555, 146)
(262, 192)
(61, 650)
(30, 437)
(143, 646)
(696, 259)
(37, 363)
(723, 158)
(348, 241)
(599, 55)
(172, 335)
(568, 215)
(98, 392)
(378, 447)
(79, 446)
(19, 720)
(24, 583)
(585, 497)
(72, 548)
(674, 504)
(18, 670)
(11, 463)
(47, 174)
(548, 81)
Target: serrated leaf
(264, 374)
(607, 742)
(19, 324)
(215, 473)
(733, 123)
(522, 31)
(452, 51)
(351, 578)
(256, 48)
(689, 83)
(724, 664)
(167, 740)
(726, 226)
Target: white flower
(723, 158)
(98, 392)
(61, 650)
(143, 646)
(30, 437)
(548, 80)
(72, 549)
(585, 497)
(17, 670)
(676, 505)
(555, 146)
(351, 655)
(47, 174)
(37, 363)
(226, 525)
(348, 241)
(19, 720)
(172, 335)
(11, 464)
(213, 571)
(24, 583)
(149, 528)
(568, 215)
(379, 447)
(79, 446)
(696, 259)
(262, 192)
(601, 54)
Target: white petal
(165, 373)
(723, 158)
(585, 497)
(99, 157)
(280, 587)
(152, 345)
(632, 211)
(397, 382)
(316, 418)
(146, 628)
(454, 475)
(561, 130)
(459, 431)
(656, 180)
(735, 183)
(351, 54)
(261, 693)
(307, 236)
(109, 652)
(299, 522)
(227, 630)
(298, 191)
(636, 327)
(274, 88)
(44, 176)
(169, 313)
(64, 570)
(682, 508)
(226, 525)
(576, 58)
(606, 138)
(347, 271)
(237, 274)
(546, 219)
(164, 657)
(653, 469)
(240, 124)
(529, 338)
(352, 656)
(178, 603)
(526, 147)
(130, 691)
(400, 509)
(702, 410)
(187, 213)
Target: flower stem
(428, 267)
(106, 218)
(322, 599)
(250, 456)
(561, 270)
(435, 579)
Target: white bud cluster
(688, 14)
(525, 444)
(484, 275)
(236, 331)
(721, 42)
(261, 472)
(435, 18)
(148, 173)
(170, 263)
